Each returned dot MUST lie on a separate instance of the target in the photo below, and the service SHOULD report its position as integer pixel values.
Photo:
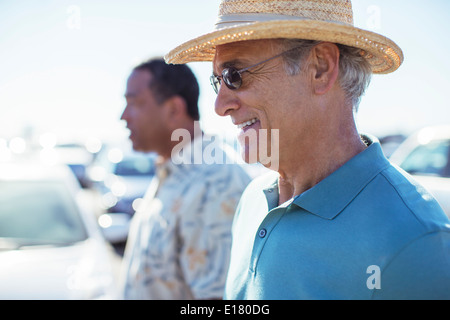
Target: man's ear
(325, 63)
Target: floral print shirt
(180, 238)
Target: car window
(39, 213)
(431, 159)
(138, 166)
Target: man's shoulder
(214, 171)
(415, 199)
(420, 260)
(222, 178)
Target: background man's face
(143, 114)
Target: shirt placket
(263, 234)
(268, 224)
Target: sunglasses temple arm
(267, 60)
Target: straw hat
(323, 20)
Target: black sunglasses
(232, 77)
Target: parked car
(51, 246)
(426, 156)
(122, 178)
(390, 143)
(75, 156)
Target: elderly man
(337, 220)
(180, 238)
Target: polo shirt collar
(329, 197)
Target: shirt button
(262, 233)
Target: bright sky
(64, 64)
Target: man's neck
(194, 130)
(304, 171)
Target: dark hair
(170, 80)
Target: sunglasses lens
(215, 82)
(232, 78)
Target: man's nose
(226, 101)
(124, 115)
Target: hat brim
(382, 53)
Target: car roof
(434, 133)
(421, 137)
(28, 171)
(33, 171)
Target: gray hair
(355, 71)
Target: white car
(51, 247)
(426, 156)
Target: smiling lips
(246, 124)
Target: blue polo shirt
(367, 231)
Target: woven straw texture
(321, 20)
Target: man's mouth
(246, 124)
(130, 131)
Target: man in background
(180, 238)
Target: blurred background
(63, 71)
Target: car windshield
(38, 213)
(429, 159)
(135, 166)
